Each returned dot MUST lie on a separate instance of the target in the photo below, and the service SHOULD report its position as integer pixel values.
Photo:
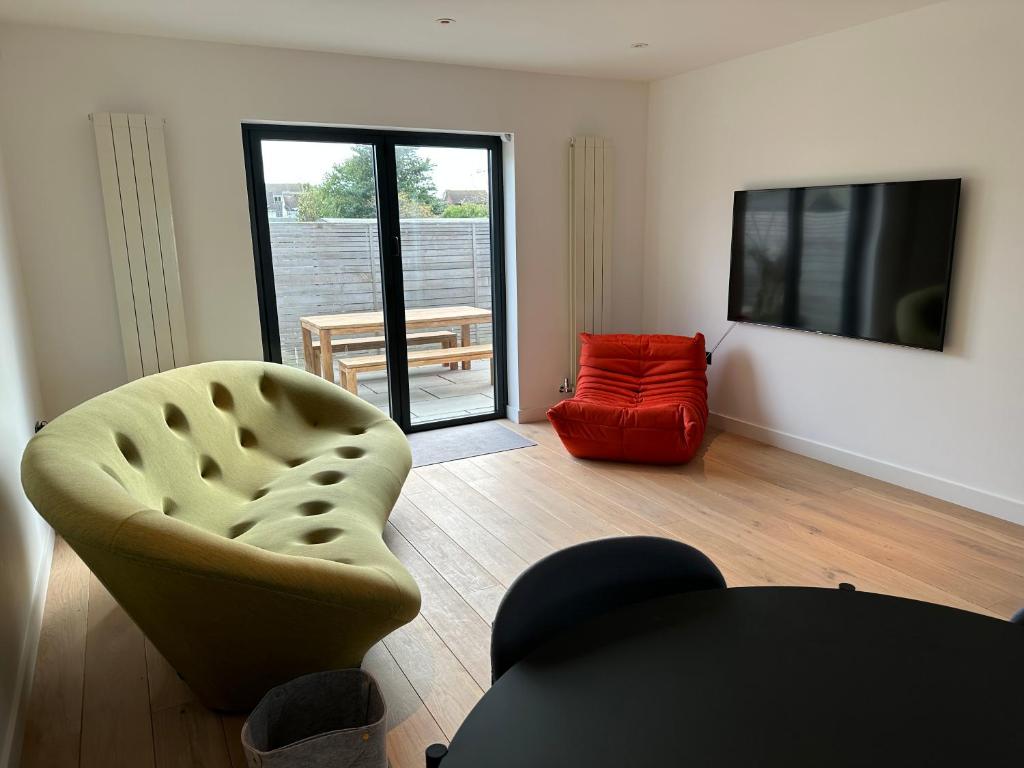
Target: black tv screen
(868, 261)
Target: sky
(307, 162)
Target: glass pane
(324, 240)
(446, 268)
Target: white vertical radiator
(590, 241)
(140, 228)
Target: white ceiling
(579, 37)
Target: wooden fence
(327, 267)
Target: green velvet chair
(235, 511)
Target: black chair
(1018, 617)
(588, 579)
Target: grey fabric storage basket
(332, 719)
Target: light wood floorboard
(104, 696)
(53, 722)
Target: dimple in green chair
(235, 510)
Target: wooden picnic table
(326, 326)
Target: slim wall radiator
(590, 240)
(140, 228)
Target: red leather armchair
(638, 398)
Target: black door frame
(384, 143)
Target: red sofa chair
(638, 398)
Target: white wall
(24, 538)
(931, 93)
(50, 80)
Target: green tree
(348, 190)
(312, 205)
(416, 180)
(466, 211)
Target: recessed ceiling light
(444, 21)
(638, 45)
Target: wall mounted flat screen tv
(867, 261)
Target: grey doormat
(453, 443)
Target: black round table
(760, 676)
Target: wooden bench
(349, 367)
(445, 338)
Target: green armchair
(235, 511)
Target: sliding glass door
(379, 265)
(446, 278)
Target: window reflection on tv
(868, 261)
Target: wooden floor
(104, 698)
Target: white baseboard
(10, 750)
(930, 485)
(526, 415)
